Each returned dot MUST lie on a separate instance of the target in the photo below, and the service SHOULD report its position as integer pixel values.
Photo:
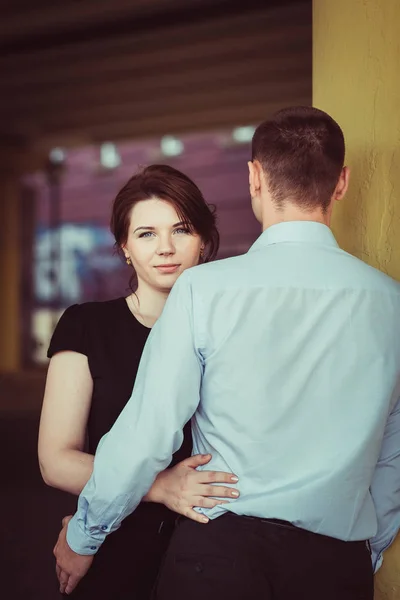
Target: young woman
(163, 226)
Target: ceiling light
(57, 155)
(243, 135)
(171, 146)
(109, 156)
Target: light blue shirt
(288, 361)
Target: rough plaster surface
(356, 78)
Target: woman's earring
(201, 252)
(128, 260)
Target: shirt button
(104, 527)
(93, 547)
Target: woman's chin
(166, 281)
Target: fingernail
(205, 520)
(234, 478)
(235, 493)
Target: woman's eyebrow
(152, 228)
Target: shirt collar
(309, 232)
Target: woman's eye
(182, 230)
(146, 234)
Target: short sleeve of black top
(113, 341)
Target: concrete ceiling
(79, 72)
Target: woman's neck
(148, 303)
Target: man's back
(301, 351)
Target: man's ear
(254, 177)
(342, 185)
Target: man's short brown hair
(301, 151)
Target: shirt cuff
(377, 563)
(80, 541)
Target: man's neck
(292, 213)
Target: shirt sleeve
(69, 333)
(385, 489)
(149, 429)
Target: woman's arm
(63, 421)
(65, 466)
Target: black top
(113, 340)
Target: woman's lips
(167, 268)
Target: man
(289, 359)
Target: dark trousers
(240, 558)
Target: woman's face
(159, 245)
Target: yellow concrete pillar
(10, 221)
(356, 79)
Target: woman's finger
(208, 502)
(219, 491)
(215, 477)
(195, 516)
(196, 461)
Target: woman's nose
(166, 246)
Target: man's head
(297, 169)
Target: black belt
(280, 522)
